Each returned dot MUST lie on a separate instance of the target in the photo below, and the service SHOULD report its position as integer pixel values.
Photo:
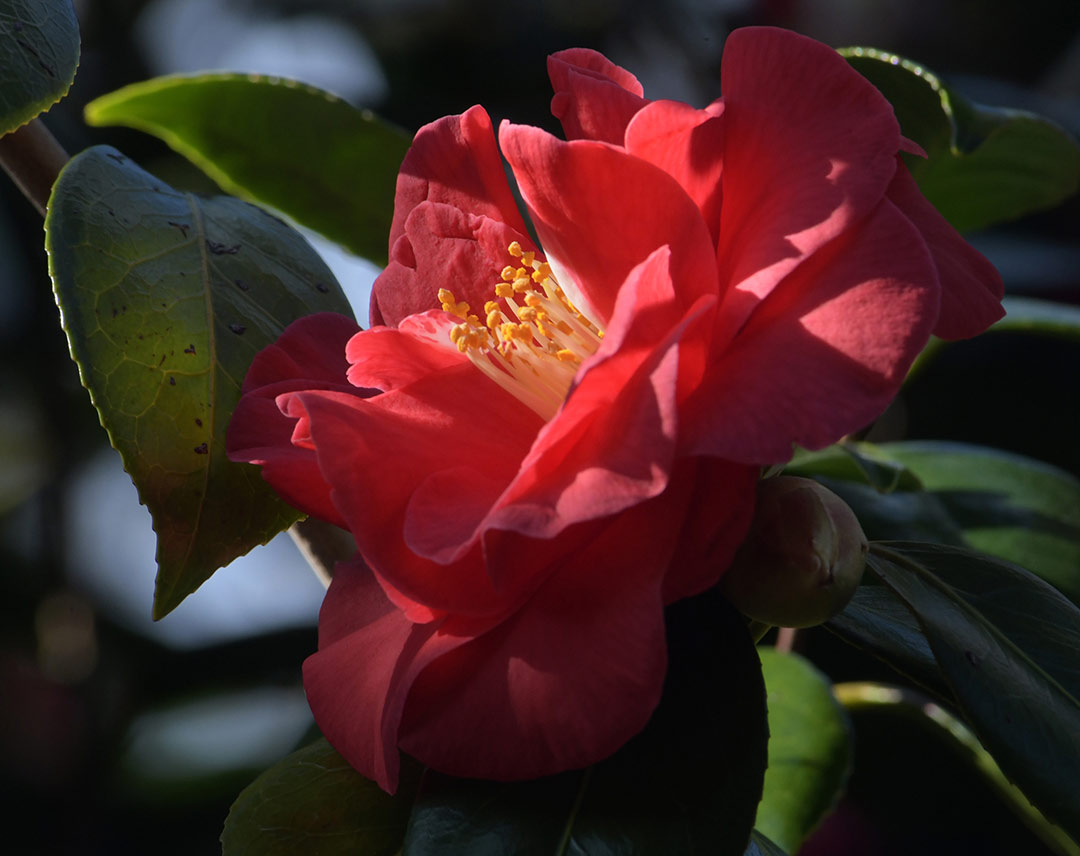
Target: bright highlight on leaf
(305, 152)
(984, 165)
(39, 52)
(165, 299)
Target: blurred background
(119, 735)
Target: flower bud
(802, 559)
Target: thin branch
(322, 545)
(33, 158)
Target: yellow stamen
(531, 350)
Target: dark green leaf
(899, 701)
(902, 515)
(689, 783)
(762, 846)
(314, 803)
(984, 165)
(1007, 505)
(303, 151)
(1006, 644)
(39, 52)
(809, 750)
(861, 462)
(1022, 315)
(876, 621)
(165, 299)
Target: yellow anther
(493, 317)
(563, 327)
(515, 250)
(527, 314)
(522, 284)
(544, 331)
(527, 258)
(567, 356)
(508, 273)
(447, 296)
(542, 272)
(472, 320)
(504, 289)
(534, 300)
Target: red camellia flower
(537, 448)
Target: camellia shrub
(600, 437)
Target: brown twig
(323, 545)
(33, 158)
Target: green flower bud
(802, 559)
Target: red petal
(600, 211)
(570, 677)
(718, 516)
(387, 358)
(971, 287)
(594, 98)
(453, 161)
(391, 461)
(825, 352)
(309, 354)
(687, 144)
(811, 147)
(611, 445)
(443, 247)
(356, 684)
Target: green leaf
(1007, 505)
(902, 515)
(809, 750)
(878, 622)
(762, 846)
(39, 52)
(689, 783)
(165, 299)
(1006, 644)
(898, 701)
(1022, 315)
(334, 170)
(984, 165)
(851, 461)
(314, 803)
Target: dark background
(120, 736)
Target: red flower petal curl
(309, 354)
(594, 98)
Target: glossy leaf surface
(303, 151)
(809, 750)
(984, 165)
(689, 783)
(313, 802)
(165, 299)
(39, 52)
(1005, 644)
(1010, 506)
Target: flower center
(532, 338)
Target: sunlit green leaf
(324, 163)
(984, 165)
(39, 52)
(1007, 505)
(689, 783)
(1005, 643)
(809, 750)
(165, 299)
(861, 462)
(314, 803)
